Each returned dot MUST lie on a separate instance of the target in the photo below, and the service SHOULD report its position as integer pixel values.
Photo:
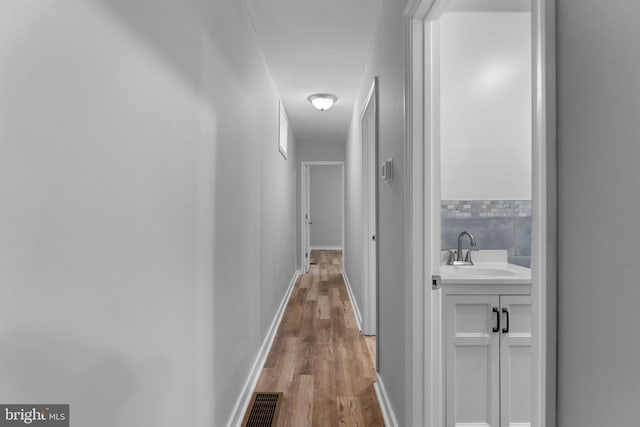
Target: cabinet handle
(506, 330)
(497, 327)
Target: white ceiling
(316, 46)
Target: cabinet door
(515, 361)
(472, 361)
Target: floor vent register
(263, 410)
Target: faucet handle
(467, 257)
(452, 257)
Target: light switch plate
(387, 170)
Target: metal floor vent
(263, 410)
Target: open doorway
(482, 58)
(423, 171)
(322, 208)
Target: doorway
(322, 207)
(423, 127)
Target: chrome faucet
(467, 259)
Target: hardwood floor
(319, 359)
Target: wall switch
(387, 170)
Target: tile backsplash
(495, 224)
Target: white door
(369, 180)
(515, 361)
(472, 345)
(306, 232)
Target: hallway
(319, 360)
(151, 235)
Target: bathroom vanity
(486, 327)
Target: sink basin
(491, 267)
(479, 271)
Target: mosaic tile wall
(495, 224)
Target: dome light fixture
(322, 101)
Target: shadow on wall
(143, 174)
(496, 224)
(41, 368)
(170, 34)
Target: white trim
(369, 212)
(344, 209)
(352, 298)
(544, 227)
(385, 405)
(418, 300)
(432, 199)
(305, 235)
(283, 130)
(326, 248)
(370, 97)
(303, 193)
(239, 409)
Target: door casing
(306, 217)
(424, 378)
(305, 207)
(369, 127)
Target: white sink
(482, 271)
(491, 267)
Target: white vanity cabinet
(487, 356)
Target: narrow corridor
(320, 361)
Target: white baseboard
(385, 405)
(242, 403)
(354, 304)
(326, 248)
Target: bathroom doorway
(424, 127)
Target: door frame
(305, 205)
(424, 383)
(370, 216)
(304, 209)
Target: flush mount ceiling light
(322, 101)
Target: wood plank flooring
(319, 360)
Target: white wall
(321, 150)
(325, 188)
(386, 62)
(599, 178)
(136, 209)
(485, 105)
